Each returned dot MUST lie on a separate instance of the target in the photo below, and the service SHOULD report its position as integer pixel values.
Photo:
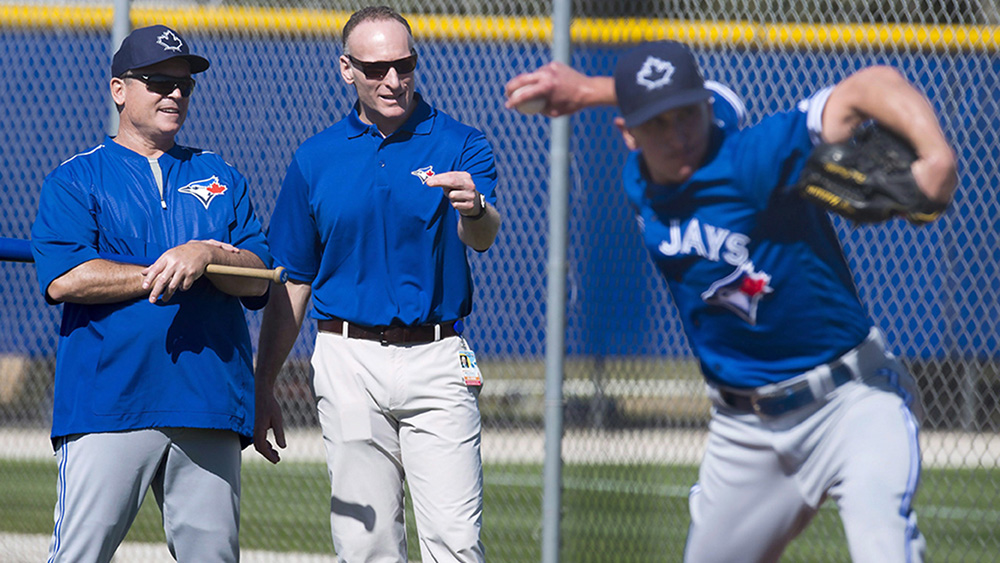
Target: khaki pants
(394, 411)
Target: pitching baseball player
(808, 402)
(153, 382)
(373, 223)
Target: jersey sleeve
(727, 107)
(478, 161)
(771, 154)
(813, 107)
(248, 233)
(64, 234)
(292, 233)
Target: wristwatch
(482, 209)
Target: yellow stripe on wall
(537, 29)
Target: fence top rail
(257, 21)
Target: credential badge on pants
(470, 371)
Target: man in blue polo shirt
(373, 222)
(153, 375)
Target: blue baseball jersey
(133, 364)
(756, 272)
(356, 221)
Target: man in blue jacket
(153, 384)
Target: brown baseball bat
(277, 275)
(19, 250)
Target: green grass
(610, 512)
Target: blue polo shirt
(356, 221)
(757, 273)
(133, 364)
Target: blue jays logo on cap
(170, 42)
(655, 73)
(657, 77)
(154, 44)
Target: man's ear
(117, 87)
(626, 134)
(345, 69)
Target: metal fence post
(121, 25)
(555, 345)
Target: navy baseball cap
(154, 44)
(656, 77)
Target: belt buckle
(381, 336)
(755, 403)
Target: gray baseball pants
(103, 478)
(764, 478)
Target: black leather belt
(417, 334)
(785, 400)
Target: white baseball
(530, 106)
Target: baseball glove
(867, 179)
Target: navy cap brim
(197, 64)
(666, 104)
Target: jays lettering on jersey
(757, 273)
(134, 364)
(356, 220)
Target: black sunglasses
(164, 85)
(378, 70)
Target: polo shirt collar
(420, 122)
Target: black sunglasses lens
(406, 66)
(375, 71)
(378, 70)
(165, 85)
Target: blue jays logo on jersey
(740, 291)
(169, 41)
(205, 190)
(655, 73)
(423, 173)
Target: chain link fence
(635, 410)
